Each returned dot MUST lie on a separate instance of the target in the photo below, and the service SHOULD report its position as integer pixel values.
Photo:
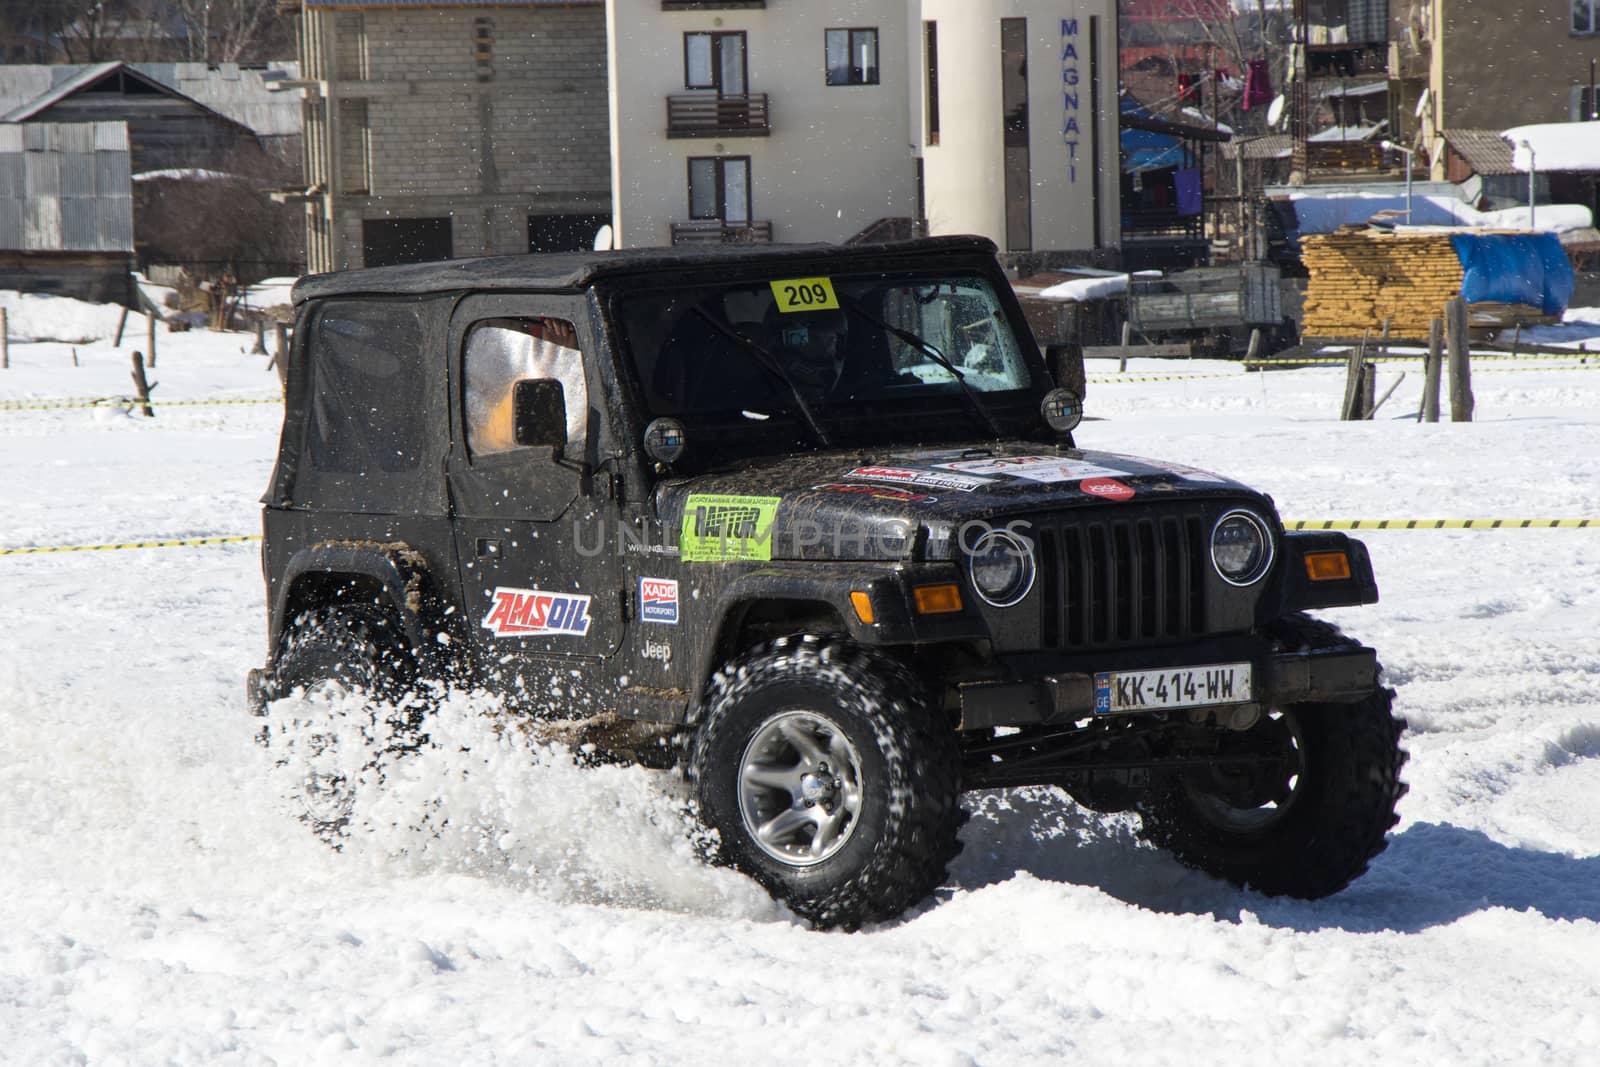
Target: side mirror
(539, 413)
(1065, 362)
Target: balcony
(712, 115)
(718, 232)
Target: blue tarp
(1515, 269)
(1144, 149)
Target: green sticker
(718, 528)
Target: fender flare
(394, 574)
(886, 584)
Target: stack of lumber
(1361, 276)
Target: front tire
(829, 779)
(1309, 830)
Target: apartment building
(446, 128)
(1491, 65)
(832, 120)
(784, 120)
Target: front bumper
(1032, 696)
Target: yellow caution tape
(1296, 524)
(131, 544)
(1119, 378)
(1340, 360)
(1443, 524)
(123, 401)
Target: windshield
(869, 358)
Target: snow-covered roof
(193, 174)
(1347, 133)
(1557, 146)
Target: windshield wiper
(934, 354)
(770, 363)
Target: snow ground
(159, 906)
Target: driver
(811, 344)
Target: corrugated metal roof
(65, 187)
(85, 76)
(237, 93)
(1485, 151)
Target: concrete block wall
(484, 140)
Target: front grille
(1134, 581)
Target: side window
(852, 56)
(502, 352)
(367, 408)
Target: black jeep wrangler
(813, 517)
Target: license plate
(1120, 692)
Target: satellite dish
(603, 238)
(1275, 112)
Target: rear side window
(367, 405)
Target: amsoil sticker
(532, 612)
(878, 492)
(719, 528)
(1108, 488)
(1189, 474)
(1036, 468)
(658, 600)
(963, 483)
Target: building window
(715, 61)
(385, 242)
(930, 48)
(1586, 16)
(564, 233)
(719, 188)
(1014, 116)
(852, 57)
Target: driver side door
(529, 520)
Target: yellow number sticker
(804, 294)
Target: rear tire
(347, 673)
(1311, 831)
(828, 779)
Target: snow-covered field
(158, 906)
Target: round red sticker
(1109, 488)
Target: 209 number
(804, 294)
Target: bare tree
(223, 31)
(1206, 36)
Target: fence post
(1255, 345)
(1127, 339)
(1351, 409)
(260, 348)
(5, 340)
(150, 334)
(1455, 330)
(1430, 372)
(141, 386)
(122, 322)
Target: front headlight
(1241, 547)
(1002, 569)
